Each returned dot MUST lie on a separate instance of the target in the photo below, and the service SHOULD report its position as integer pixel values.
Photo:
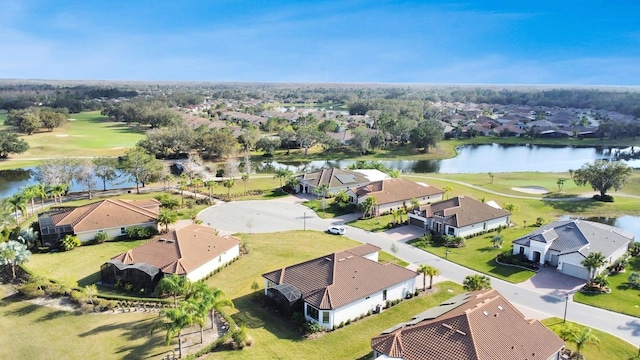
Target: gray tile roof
(579, 235)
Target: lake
(483, 159)
(471, 159)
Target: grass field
(622, 299)
(479, 254)
(81, 264)
(31, 332)
(86, 134)
(609, 347)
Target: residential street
(533, 300)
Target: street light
(566, 303)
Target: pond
(627, 223)
(485, 158)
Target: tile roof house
(564, 244)
(336, 179)
(338, 287)
(112, 216)
(395, 193)
(480, 325)
(193, 251)
(459, 216)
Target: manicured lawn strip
(385, 257)
(376, 224)
(326, 210)
(89, 134)
(32, 332)
(610, 347)
(622, 299)
(81, 264)
(274, 337)
(479, 254)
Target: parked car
(336, 230)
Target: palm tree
(245, 178)
(579, 337)
(368, 206)
(90, 292)
(497, 241)
(602, 281)
(174, 285)
(210, 184)
(174, 320)
(19, 203)
(401, 212)
(293, 183)
(321, 190)
(182, 186)
(282, 174)
(593, 262)
(197, 182)
(229, 183)
(57, 191)
(167, 217)
(447, 190)
(430, 271)
(476, 282)
(40, 190)
(30, 192)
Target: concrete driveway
(551, 282)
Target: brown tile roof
(180, 251)
(463, 211)
(335, 178)
(483, 325)
(105, 214)
(398, 189)
(364, 249)
(338, 279)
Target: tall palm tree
(447, 190)
(282, 174)
(476, 282)
(197, 182)
(210, 184)
(57, 191)
(430, 271)
(173, 321)
(245, 178)
(40, 189)
(30, 192)
(593, 262)
(19, 203)
(322, 190)
(182, 186)
(229, 183)
(174, 285)
(167, 217)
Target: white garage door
(575, 270)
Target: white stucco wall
(112, 232)
(362, 306)
(214, 263)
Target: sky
(587, 42)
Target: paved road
(288, 214)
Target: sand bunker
(539, 190)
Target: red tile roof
(463, 211)
(482, 325)
(335, 280)
(398, 189)
(180, 251)
(105, 214)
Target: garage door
(416, 222)
(575, 270)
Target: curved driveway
(288, 214)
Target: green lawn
(376, 224)
(385, 257)
(86, 134)
(325, 208)
(479, 254)
(622, 298)
(33, 332)
(610, 347)
(81, 264)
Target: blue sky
(589, 42)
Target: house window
(384, 295)
(313, 312)
(123, 231)
(325, 317)
(521, 250)
(450, 231)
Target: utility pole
(566, 303)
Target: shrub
(69, 242)
(634, 249)
(311, 327)
(634, 280)
(31, 291)
(239, 337)
(141, 232)
(101, 237)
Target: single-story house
(112, 216)
(336, 179)
(395, 193)
(193, 251)
(339, 287)
(479, 325)
(564, 244)
(459, 216)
